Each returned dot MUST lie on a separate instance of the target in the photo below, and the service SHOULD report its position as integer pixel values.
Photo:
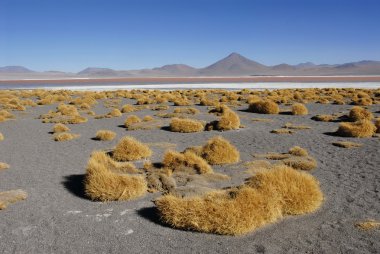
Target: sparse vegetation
(129, 149)
(299, 109)
(264, 107)
(359, 113)
(368, 225)
(105, 135)
(65, 136)
(347, 144)
(59, 127)
(10, 197)
(358, 129)
(186, 125)
(3, 165)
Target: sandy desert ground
(58, 217)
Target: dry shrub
(105, 135)
(59, 127)
(282, 131)
(12, 196)
(298, 151)
(129, 149)
(160, 107)
(218, 151)
(368, 225)
(228, 121)
(104, 183)
(324, 118)
(186, 125)
(115, 113)
(187, 162)
(296, 127)
(65, 136)
(128, 108)
(266, 198)
(1, 136)
(131, 120)
(147, 118)
(359, 129)
(347, 144)
(306, 163)
(262, 120)
(3, 165)
(264, 107)
(299, 109)
(190, 111)
(359, 113)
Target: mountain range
(232, 65)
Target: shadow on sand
(75, 185)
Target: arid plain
(190, 171)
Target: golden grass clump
(105, 135)
(264, 199)
(306, 163)
(12, 196)
(3, 165)
(129, 149)
(299, 109)
(324, 118)
(190, 111)
(368, 225)
(105, 182)
(218, 151)
(1, 136)
(147, 118)
(65, 136)
(132, 119)
(5, 115)
(187, 162)
(347, 144)
(185, 125)
(59, 127)
(298, 151)
(228, 121)
(127, 108)
(358, 129)
(358, 113)
(264, 107)
(115, 113)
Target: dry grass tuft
(186, 125)
(266, 198)
(359, 113)
(105, 182)
(105, 135)
(129, 149)
(306, 163)
(368, 225)
(324, 118)
(282, 131)
(187, 162)
(4, 165)
(298, 151)
(359, 129)
(228, 121)
(132, 119)
(218, 151)
(1, 136)
(115, 113)
(65, 136)
(147, 118)
(59, 127)
(347, 144)
(190, 111)
(299, 109)
(264, 107)
(12, 196)
(296, 127)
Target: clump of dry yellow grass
(296, 127)
(190, 111)
(12, 196)
(359, 113)
(147, 118)
(347, 144)
(115, 113)
(358, 129)
(368, 225)
(132, 119)
(105, 135)
(264, 107)
(324, 118)
(1, 136)
(229, 120)
(186, 125)
(218, 150)
(298, 151)
(187, 162)
(306, 163)
(105, 182)
(127, 108)
(265, 198)
(129, 149)
(3, 165)
(65, 136)
(299, 109)
(59, 127)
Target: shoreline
(176, 80)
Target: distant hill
(232, 65)
(14, 69)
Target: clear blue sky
(70, 35)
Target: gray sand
(57, 218)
